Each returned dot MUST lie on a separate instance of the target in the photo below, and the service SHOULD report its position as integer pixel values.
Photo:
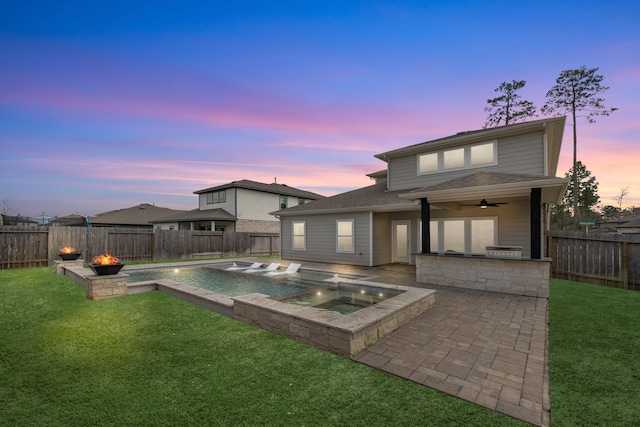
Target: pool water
(233, 283)
(340, 300)
(306, 288)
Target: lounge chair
(271, 267)
(293, 268)
(237, 267)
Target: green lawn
(151, 359)
(595, 355)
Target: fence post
(625, 265)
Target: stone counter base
(510, 276)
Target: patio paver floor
(484, 347)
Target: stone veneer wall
(345, 335)
(519, 277)
(257, 226)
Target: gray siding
(518, 154)
(321, 239)
(229, 205)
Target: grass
(595, 355)
(151, 359)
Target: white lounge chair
(293, 268)
(238, 267)
(271, 267)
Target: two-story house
(484, 194)
(241, 206)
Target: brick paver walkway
(485, 347)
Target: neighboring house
(242, 206)
(629, 227)
(141, 216)
(621, 225)
(73, 220)
(16, 220)
(475, 190)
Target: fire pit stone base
(59, 266)
(104, 287)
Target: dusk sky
(107, 104)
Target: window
(344, 236)
(462, 235)
(454, 236)
(283, 202)
(299, 236)
(301, 201)
(216, 197)
(482, 235)
(471, 156)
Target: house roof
(554, 128)
(274, 188)
(142, 214)
(491, 184)
(197, 215)
(374, 197)
(468, 188)
(630, 224)
(70, 220)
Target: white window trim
(353, 236)
(293, 236)
(467, 159)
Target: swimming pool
(307, 287)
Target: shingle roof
(274, 188)
(198, 215)
(483, 178)
(373, 197)
(142, 214)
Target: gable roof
(281, 189)
(491, 184)
(142, 214)
(197, 215)
(553, 127)
(374, 197)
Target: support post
(536, 223)
(426, 219)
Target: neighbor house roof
(141, 215)
(198, 215)
(554, 128)
(274, 188)
(70, 220)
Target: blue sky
(105, 105)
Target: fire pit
(104, 265)
(69, 254)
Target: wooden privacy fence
(602, 259)
(38, 247)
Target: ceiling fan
(484, 204)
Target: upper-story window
(283, 202)
(216, 197)
(471, 156)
